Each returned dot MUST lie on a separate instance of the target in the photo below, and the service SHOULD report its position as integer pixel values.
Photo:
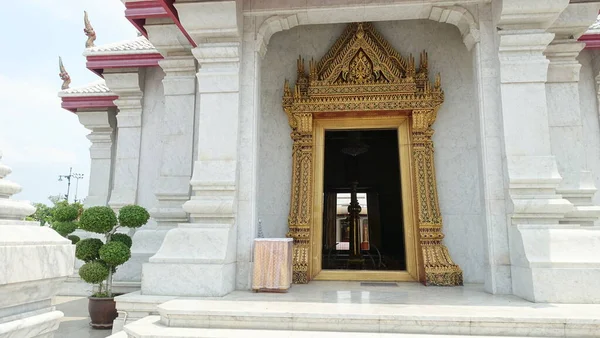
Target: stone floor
(75, 323)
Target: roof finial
(89, 31)
(63, 75)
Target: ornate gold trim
(362, 73)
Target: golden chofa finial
(89, 31)
(63, 75)
(312, 70)
(410, 71)
(287, 92)
(437, 86)
(424, 63)
(297, 93)
(300, 64)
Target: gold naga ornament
(363, 75)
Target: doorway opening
(363, 225)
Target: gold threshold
(362, 275)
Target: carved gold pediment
(362, 72)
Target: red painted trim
(592, 41)
(137, 12)
(81, 102)
(97, 63)
(172, 11)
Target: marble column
(566, 130)
(532, 172)
(199, 258)
(126, 83)
(102, 124)
(550, 262)
(177, 133)
(173, 186)
(487, 86)
(253, 51)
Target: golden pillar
(439, 267)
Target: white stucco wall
(590, 117)
(455, 139)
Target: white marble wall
(455, 139)
(590, 117)
(147, 240)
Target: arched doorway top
(454, 15)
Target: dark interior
(371, 158)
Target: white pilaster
(127, 84)
(102, 125)
(253, 51)
(199, 258)
(179, 83)
(550, 262)
(566, 130)
(486, 66)
(532, 171)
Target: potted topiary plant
(63, 221)
(102, 258)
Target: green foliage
(88, 249)
(74, 239)
(93, 272)
(102, 294)
(43, 213)
(133, 216)
(65, 213)
(64, 228)
(98, 219)
(115, 253)
(123, 238)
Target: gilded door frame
(363, 76)
(401, 123)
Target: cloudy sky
(38, 139)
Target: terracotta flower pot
(102, 312)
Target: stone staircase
(224, 318)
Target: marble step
(523, 319)
(150, 327)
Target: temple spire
(89, 31)
(64, 75)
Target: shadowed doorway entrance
(364, 163)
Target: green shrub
(88, 249)
(65, 213)
(64, 228)
(115, 253)
(93, 272)
(74, 239)
(123, 238)
(133, 216)
(98, 219)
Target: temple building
(441, 142)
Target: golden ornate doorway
(363, 77)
